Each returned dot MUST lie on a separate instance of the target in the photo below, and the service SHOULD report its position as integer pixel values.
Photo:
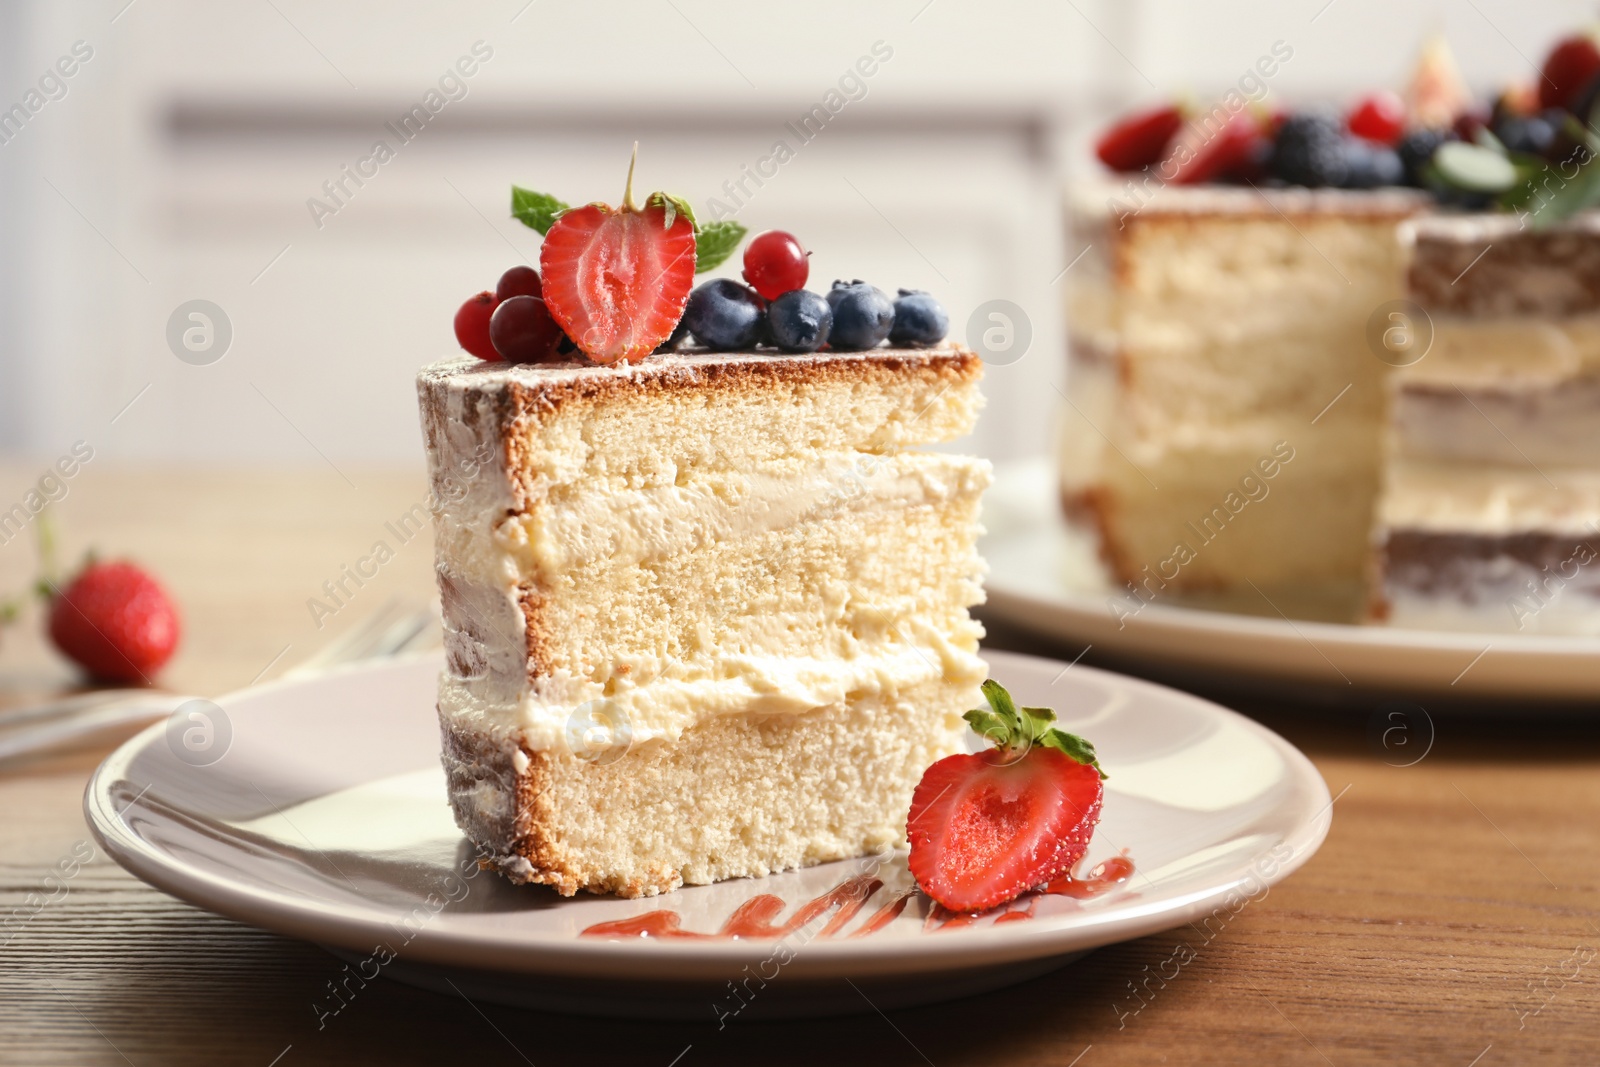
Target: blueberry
(1310, 150)
(839, 288)
(1369, 166)
(724, 315)
(799, 321)
(863, 315)
(1519, 133)
(1416, 150)
(919, 319)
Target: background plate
(326, 820)
(1044, 576)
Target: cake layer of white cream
(1490, 500)
(1507, 352)
(655, 698)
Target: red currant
(774, 264)
(523, 331)
(1380, 117)
(472, 325)
(518, 281)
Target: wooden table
(1449, 919)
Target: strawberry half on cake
(706, 607)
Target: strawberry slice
(1204, 155)
(616, 279)
(1140, 140)
(987, 828)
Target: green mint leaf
(536, 210)
(715, 242)
(1580, 191)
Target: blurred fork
(392, 630)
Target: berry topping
(919, 319)
(671, 344)
(115, 621)
(724, 315)
(616, 279)
(774, 264)
(1529, 134)
(799, 320)
(523, 331)
(986, 828)
(1369, 165)
(1141, 140)
(1310, 150)
(1569, 69)
(863, 315)
(518, 281)
(1204, 156)
(1380, 117)
(472, 325)
(1416, 149)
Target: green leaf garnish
(715, 242)
(1016, 729)
(537, 210)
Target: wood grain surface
(1449, 919)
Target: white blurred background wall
(179, 161)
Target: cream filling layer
(592, 720)
(1486, 499)
(1507, 352)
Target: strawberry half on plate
(988, 827)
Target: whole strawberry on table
(112, 618)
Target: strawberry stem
(627, 194)
(49, 571)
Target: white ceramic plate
(326, 820)
(1044, 575)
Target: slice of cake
(1490, 513)
(706, 615)
(1225, 406)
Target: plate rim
(1083, 616)
(339, 924)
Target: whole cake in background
(1277, 401)
(705, 600)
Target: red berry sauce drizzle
(755, 918)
